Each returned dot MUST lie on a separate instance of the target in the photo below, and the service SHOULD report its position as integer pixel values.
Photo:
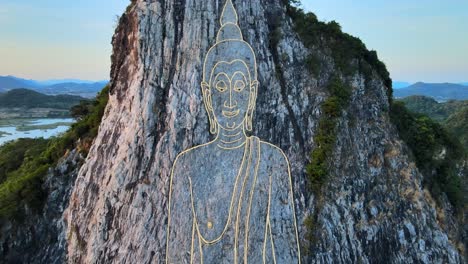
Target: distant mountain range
(439, 91)
(401, 84)
(11, 82)
(58, 81)
(82, 88)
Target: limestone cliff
(40, 237)
(372, 209)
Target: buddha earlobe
(205, 85)
(209, 107)
(251, 108)
(248, 122)
(206, 95)
(253, 94)
(213, 125)
(254, 85)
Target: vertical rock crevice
(119, 202)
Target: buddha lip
(231, 114)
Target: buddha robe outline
(231, 200)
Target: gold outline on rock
(203, 239)
(249, 148)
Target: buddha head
(229, 85)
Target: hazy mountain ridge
(82, 88)
(438, 91)
(11, 82)
(58, 81)
(87, 90)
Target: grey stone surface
(41, 238)
(374, 209)
(261, 200)
(230, 200)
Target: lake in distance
(12, 129)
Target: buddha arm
(282, 220)
(179, 230)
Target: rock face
(41, 238)
(373, 209)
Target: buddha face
(230, 94)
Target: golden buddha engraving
(231, 200)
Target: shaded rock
(41, 238)
(373, 209)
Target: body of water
(16, 129)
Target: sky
(419, 40)
(57, 39)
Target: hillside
(457, 123)
(366, 180)
(323, 99)
(36, 177)
(11, 82)
(438, 91)
(452, 114)
(435, 110)
(81, 88)
(24, 98)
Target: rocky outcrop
(372, 210)
(41, 238)
(375, 209)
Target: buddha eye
(239, 86)
(221, 86)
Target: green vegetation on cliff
(24, 163)
(350, 56)
(349, 53)
(440, 112)
(325, 137)
(457, 124)
(435, 151)
(453, 115)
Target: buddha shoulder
(273, 156)
(191, 157)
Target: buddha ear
(206, 91)
(251, 108)
(206, 95)
(253, 94)
(205, 85)
(254, 85)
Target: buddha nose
(231, 103)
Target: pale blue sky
(55, 39)
(419, 40)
